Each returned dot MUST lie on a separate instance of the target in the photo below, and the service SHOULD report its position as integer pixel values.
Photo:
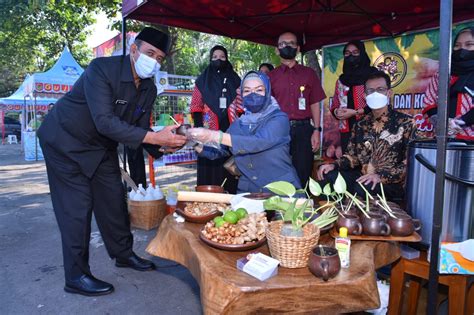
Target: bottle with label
(343, 246)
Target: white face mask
(376, 100)
(146, 67)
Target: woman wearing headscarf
(259, 139)
(460, 104)
(214, 91)
(348, 103)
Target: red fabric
(286, 83)
(464, 104)
(340, 100)
(197, 105)
(235, 109)
(321, 22)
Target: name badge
(121, 102)
(301, 103)
(222, 102)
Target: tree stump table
(226, 290)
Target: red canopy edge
(317, 22)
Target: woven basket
(292, 252)
(146, 215)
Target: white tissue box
(258, 265)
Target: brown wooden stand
(226, 290)
(418, 269)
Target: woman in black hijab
(214, 91)
(461, 103)
(348, 104)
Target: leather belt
(299, 122)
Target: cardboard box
(452, 261)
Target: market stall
(325, 23)
(16, 103)
(52, 84)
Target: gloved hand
(454, 126)
(205, 136)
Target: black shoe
(135, 262)
(89, 286)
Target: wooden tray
(233, 248)
(326, 229)
(194, 218)
(415, 237)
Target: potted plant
(291, 239)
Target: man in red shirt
(298, 91)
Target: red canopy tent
(318, 22)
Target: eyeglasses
(347, 53)
(381, 90)
(284, 44)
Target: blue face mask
(254, 102)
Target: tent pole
(446, 16)
(124, 53)
(35, 124)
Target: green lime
(241, 212)
(231, 217)
(219, 218)
(219, 223)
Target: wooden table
(226, 290)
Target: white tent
(51, 84)
(16, 101)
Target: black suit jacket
(103, 108)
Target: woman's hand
(344, 113)
(324, 169)
(204, 136)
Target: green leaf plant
(338, 195)
(298, 211)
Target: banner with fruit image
(410, 60)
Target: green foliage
(387, 44)
(297, 211)
(332, 56)
(407, 40)
(34, 33)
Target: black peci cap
(155, 38)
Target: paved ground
(31, 274)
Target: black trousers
(136, 165)
(75, 197)
(212, 172)
(393, 192)
(345, 136)
(302, 155)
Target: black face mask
(462, 55)
(218, 64)
(287, 52)
(352, 60)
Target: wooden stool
(419, 268)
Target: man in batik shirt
(377, 150)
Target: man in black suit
(109, 104)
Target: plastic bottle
(343, 246)
(132, 194)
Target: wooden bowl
(231, 247)
(195, 218)
(326, 229)
(259, 195)
(210, 188)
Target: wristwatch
(318, 129)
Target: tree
(34, 33)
